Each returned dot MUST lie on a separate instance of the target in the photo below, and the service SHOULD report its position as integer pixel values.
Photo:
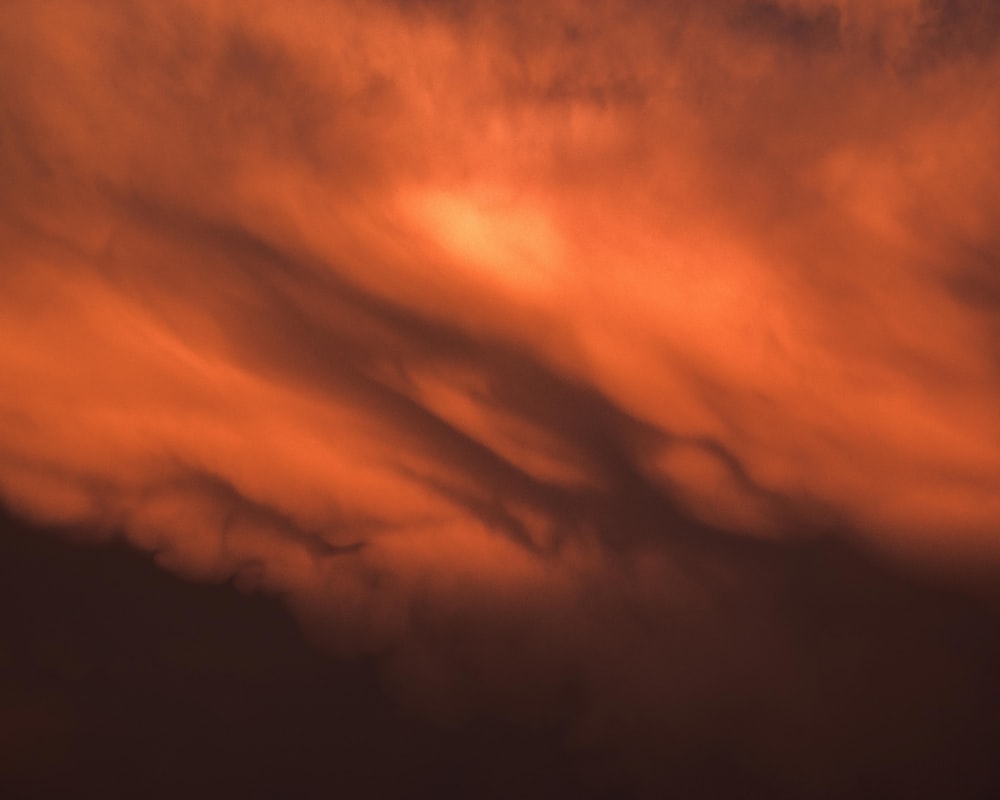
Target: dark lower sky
(117, 680)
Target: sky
(620, 375)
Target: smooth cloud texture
(507, 339)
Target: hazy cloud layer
(529, 345)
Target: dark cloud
(810, 28)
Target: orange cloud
(434, 316)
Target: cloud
(509, 343)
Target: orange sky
(427, 314)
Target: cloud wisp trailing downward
(510, 341)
